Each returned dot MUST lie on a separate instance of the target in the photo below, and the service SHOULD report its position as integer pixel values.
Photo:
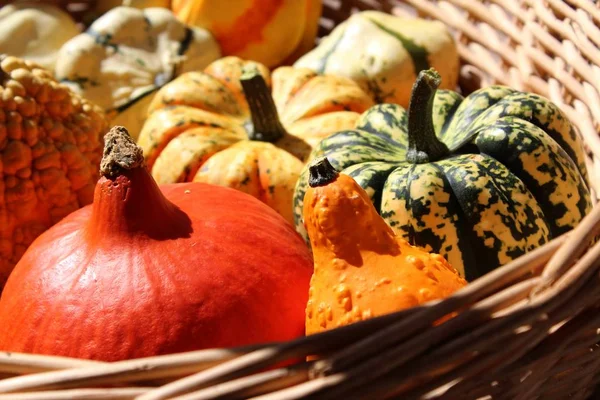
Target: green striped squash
(481, 180)
(384, 53)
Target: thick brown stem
(121, 153)
(127, 199)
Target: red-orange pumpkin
(148, 270)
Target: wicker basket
(529, 330)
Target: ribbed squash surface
(204, 127)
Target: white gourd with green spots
(126, 55)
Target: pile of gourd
(184, 174)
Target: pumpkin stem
(423, 144)
(127, 199)
(121, 153)
(266, 126)
(321, 172)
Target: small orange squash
(361, 268)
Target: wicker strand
(252, 385)
(149, 368)
(269, 355)
(17, 364)
(79, 394)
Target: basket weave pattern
(529, 330)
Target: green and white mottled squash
(481, 180)
(127, 55)
(384, 53)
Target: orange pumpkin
(148, 270)
(361, 268)
(267, 31)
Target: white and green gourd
(127, 55)
(384, 54)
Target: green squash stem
(266, 126)
(423, 144)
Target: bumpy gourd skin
(50, 149)
(362, 269)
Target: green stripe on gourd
(127, 54)
(445, 105)
(537, 160)
(481, 180)
(384, 53)
(417, 53)
(333, 43)
(371, 176)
